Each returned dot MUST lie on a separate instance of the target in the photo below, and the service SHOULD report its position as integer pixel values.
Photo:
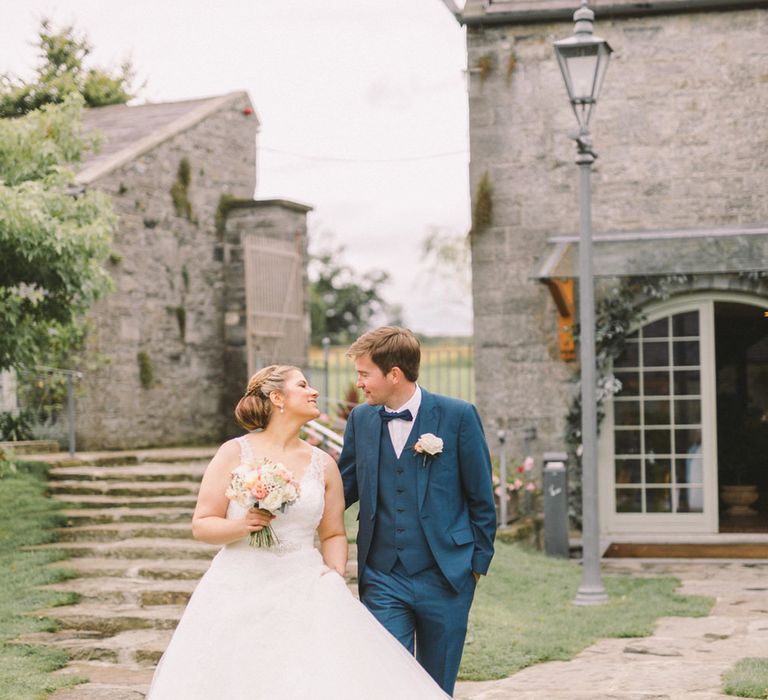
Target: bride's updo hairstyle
(254, 410)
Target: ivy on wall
(222, 209)
(511, 65)
(146, 370)
(180, 192)
(482, 214)
(485, 66)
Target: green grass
(748, 678)
(25, 518)
(523, 612)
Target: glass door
(657, 442)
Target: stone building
(679, 200)
(208, 283)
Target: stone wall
(683, 142)
(278, 219)
(166, 309)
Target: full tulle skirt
(267, 625)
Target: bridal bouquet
(267, 485)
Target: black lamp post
(583, 59)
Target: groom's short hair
(388, 347)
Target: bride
(280, 621)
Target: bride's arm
(209, 523)
(333, 537)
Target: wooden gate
(275, 302)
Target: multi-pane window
(658, 464)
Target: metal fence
(445, 369)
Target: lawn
(523, 612)
(25, 518)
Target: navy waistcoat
(397, 534)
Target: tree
(53, 237)
(342, 302)
(447, 255)
(62, 73)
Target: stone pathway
(129, 535)
(683, 659)
(130, 539)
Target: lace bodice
(295, 529)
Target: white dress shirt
(400, 429)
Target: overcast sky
(363, 108)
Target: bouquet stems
(265, 537)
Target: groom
(419, 465)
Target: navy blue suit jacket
(455, 490)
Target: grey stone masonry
(271, 218)
(683, 143)
(158, 363)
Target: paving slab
(107, 682)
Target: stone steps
(136, 548)
(133, 647)
(166, 569)
(113, 532)
(101, 502)
(124, 590)
(107, 487)
(80, 517)
(111, 618)
(143, 472)
(108, 681)
(128, 536)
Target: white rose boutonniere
(428, 445)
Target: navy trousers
(422, 611)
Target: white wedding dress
(275, 623)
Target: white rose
(429, 443)
(290, 493)
(272, 502)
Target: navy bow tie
(387, 416)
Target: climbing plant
(180, 191)
(482, 214)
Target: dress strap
(246, 454)
(317, 465)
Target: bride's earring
(282, 409)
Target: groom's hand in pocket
(258, 519)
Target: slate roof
(522, 11)
(127, 131)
